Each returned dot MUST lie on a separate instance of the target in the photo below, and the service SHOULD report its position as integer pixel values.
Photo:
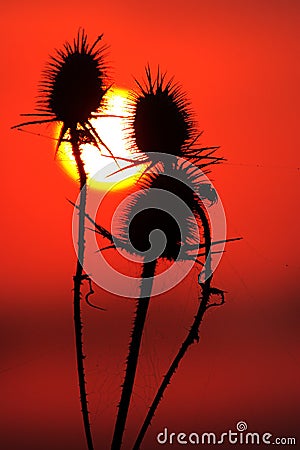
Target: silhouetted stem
(134, 348)
(192, 336)
(77, 289)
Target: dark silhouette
(72, 92)
(181, 243)
(162, 123)
(140, 226)
(193, 334)
(141, 220)
(134, 348)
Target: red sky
(239, 64)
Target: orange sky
(239, 64)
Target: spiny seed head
(151, 219)
(162, 120)
(141, 217)
(73, 88)
(75, 81)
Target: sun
(102, 170)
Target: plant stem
(192, 336)
(77, 288)
(134, 348)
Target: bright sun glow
(111, 131)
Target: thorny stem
(78, 278)
(134, 347)
(192, 336)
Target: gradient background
(239, 63)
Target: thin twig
(91, 292)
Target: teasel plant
(160, 120)
(72, 92)
(139, 220)
(194, 199)
(162, 133)
(162, 124)
(188, 238)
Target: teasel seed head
(161, 121)
(73, 87)
(149, 210)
